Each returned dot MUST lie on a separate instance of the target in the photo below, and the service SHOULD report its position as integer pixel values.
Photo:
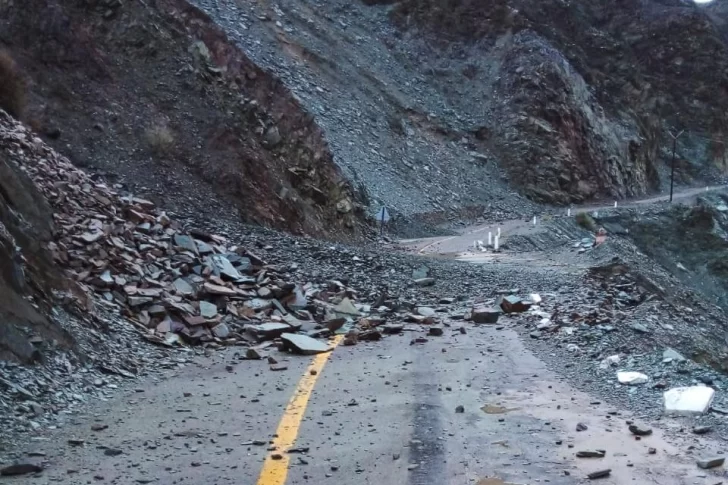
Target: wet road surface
(379, 413)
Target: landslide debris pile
(175, 285)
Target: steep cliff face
(581, 97)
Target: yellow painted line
(274, 472)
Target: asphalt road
(379, 413)
(456, 245)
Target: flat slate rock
(303, 344)
(711, 462)
(688, 401)
(207, 309)
(483, 314)
(20, 469)
(269, 331)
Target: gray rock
(702, 429)
(591, 454)
(707, 463)
(421, 273)
(599, 474)
(185, 242)
(425, 281)
(435, 332)
(425, 311)
(639, 328)
(303, 344)
(268, 331)
(20, 469)
(221, 266)
(672, 355)
(182, 287)
(221, 330)
(392, 328)
(207, 309)
(485, 315)
(638, 431)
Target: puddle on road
(492, 409)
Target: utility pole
(672, 164)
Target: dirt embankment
(153, 96)
(583, 95)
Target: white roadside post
(497, 243)
(615, 204)
(568, 212)
(490, 239)
(534, 220)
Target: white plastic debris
(686, 401)
(612, 360)
(573, 348)
(535, 298)
(632, 378)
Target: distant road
(464, 240)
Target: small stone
(651, 451)
(599, 474)
(252, 354)
(638, 431)
(435, 332)
(711, 462)
(702, 429)
(99, 427)
(278, 367)
(460, 409)
(581, 427)
(632, 378)
(591, 454)
(76, 442)
(112, 452)
(276, 456)
(425, 281)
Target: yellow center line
(274, 472)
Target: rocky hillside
(583, 95)
(152, 95)
(566, 101)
